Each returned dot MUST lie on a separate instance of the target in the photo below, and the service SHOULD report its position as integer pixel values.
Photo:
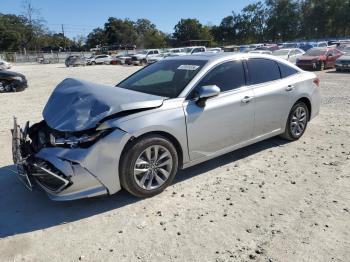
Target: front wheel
(297, 122)
(148, 166)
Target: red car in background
(319, 58)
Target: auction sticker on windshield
(188, 67)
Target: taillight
(317, 81)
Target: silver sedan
(170, 115)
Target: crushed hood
(77, 105)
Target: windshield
(280, 52)
(165, 78)
(315, 52)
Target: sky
(79, 17)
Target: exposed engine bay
(41, 136)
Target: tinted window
(227, 76)
(262, 70)
(286, 70)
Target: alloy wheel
(298, 121)
(153, 167)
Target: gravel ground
(273, 201)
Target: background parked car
(142, 57)
(99, 59)
(156, 58)
(12, 81)
(319, 58)
(4, 65)
(289, 54)
(214, 50)
(195, 49)
(265, 52)
(343, 62)
(75, 60)
(308, 45)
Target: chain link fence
(40, 57)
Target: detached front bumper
(69, 173)
(308, 65)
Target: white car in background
(190, 50)
(4, 65)
(214, 50)
(263, 52)
(142, 57)
(99, 59)
(289, 54)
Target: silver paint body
(224, 124)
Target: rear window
(286, 70)
(262, 70)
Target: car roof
(212, 57)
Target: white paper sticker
(188, 67)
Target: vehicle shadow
(23, 211)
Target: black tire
(321, 66)
(93, 63)
(128, 160)
(288, 133)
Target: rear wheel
(297, 122)
(148, 166)
(321, 66)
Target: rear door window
(262, 70)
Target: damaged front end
(59, 161)
(71, 153)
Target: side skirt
(232, 148)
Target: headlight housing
(77, 140)
(18, 78)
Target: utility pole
(64, 39)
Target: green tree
(191, 29)
(148, 34)
(96, 38)
(283, 21)
(225, 33)
(118, 31)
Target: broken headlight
(78, 140)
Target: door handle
(247, 99)
(290, 88)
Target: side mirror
(205, 92)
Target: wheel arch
(167, 135)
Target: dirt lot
(273, 201)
